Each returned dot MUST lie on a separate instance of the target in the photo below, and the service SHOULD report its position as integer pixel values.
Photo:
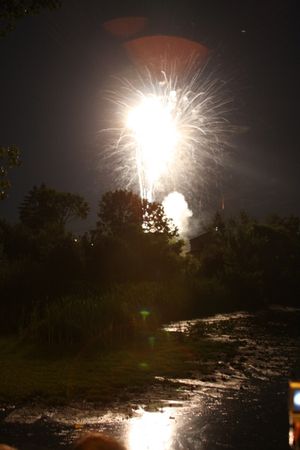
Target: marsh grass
(123, 313)
(102, 347)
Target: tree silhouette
(9, 158)
(123, 211)
(44, 207)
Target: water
(242, 405)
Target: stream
(242, 405)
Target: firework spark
(171, 130)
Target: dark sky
(55, 66)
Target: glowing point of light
(291, 437)
(297, 399)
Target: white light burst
(171, 130)
(155, 134)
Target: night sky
(55, 66)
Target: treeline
(253, 263)
(110, 282)
(129, 274)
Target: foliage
(122, 211)
(137, 257)
(133, 241)
(62, 288)
(258, 263)
(124, 312)
(74, 320)
(44, 207)
(21, 283)
(13, 10)
(9, 158)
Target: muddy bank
(243, 404)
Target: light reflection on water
(236, 397)
(184, 325)
(152, 430)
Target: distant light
(243, 31)
(75, 240)
(291, 437)
(297, 399)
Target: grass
(29, 372)
(120, 314)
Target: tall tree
(9, 158)
(133, 241)
(44, 207)
(121, 211)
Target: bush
(21, 284)
(73, 320)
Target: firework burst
(170, 129)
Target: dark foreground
(242, 406)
